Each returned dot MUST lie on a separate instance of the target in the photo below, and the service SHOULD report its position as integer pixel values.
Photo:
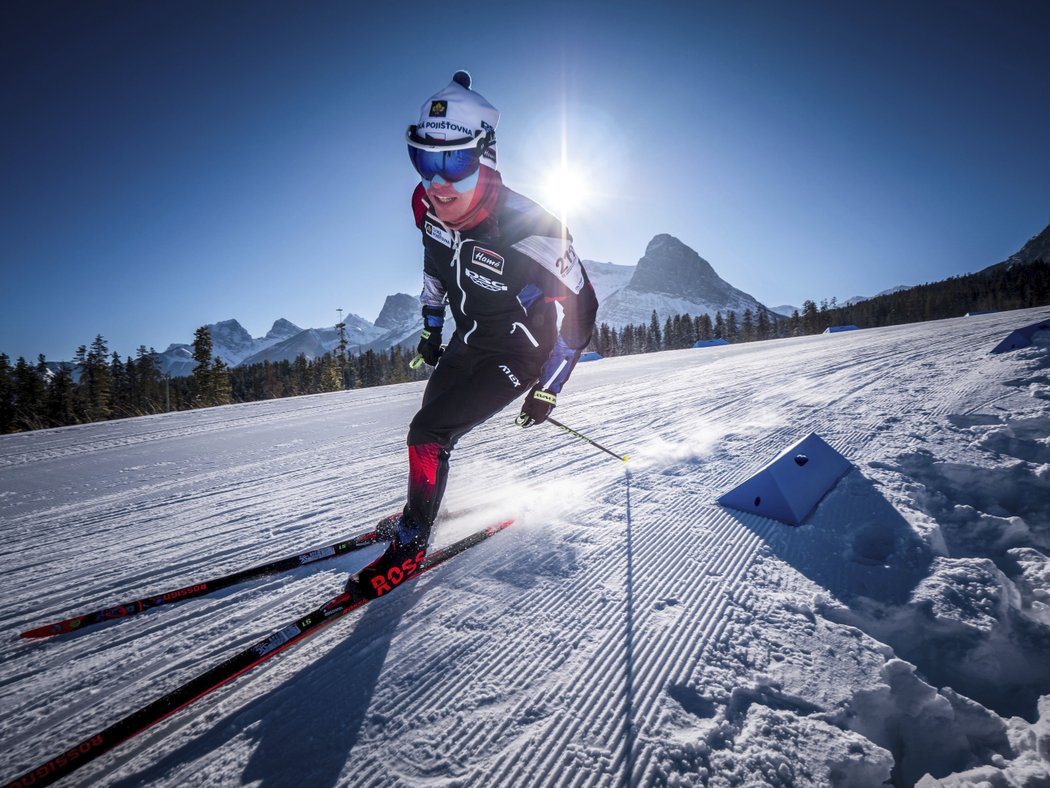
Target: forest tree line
(105, 386)
(100, 385)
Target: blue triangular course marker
(1021, 337)
(790, 487)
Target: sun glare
(565, 191)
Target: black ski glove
(537, 407)
(429, 346)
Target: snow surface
(627, 630)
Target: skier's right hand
(429, 346)
(537, 407)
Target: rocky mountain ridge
(670, 278)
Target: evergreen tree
(688, 329)
(627, 340)
(95, 387)
(810, 318)
(134, 387)
(150, 394)
(369, 373)
(202, 373)
(704, 330)
(653, 338)
(731, 329)
(121, 387)
(764, 328)
(398, 365)
(29, 397)
(330, 378)
(62, 399)
(211, 376)
(300, 376)
(7, 395)
(747, 326)
(604, 340)
(350, 376)
(222, 389)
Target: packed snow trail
(641, 627)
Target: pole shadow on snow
(323, 709)
(628, 702)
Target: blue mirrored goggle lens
(452, 165)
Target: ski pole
(585, 439)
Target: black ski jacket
(502, 279)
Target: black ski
(138, 721)
(204, 587)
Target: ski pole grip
(417, 362)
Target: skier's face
(451, 203)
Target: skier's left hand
(537, 407)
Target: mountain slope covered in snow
(672, 279)
(627, 629)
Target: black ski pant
(468, 387)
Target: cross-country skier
(500, 262)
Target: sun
(565, 190)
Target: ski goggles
(453, 160)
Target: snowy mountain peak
(399, 309)
(1036, 249)
(230, 341)
(230, 334)
(669, 266)
(671, 279)
(282, 329)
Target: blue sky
(167, 165)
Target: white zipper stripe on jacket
(557, 372)
(458, 242)
(515, 326)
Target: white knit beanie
(456, 112)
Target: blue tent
(710, 343)
(837, 329)
(1021, 337)
(591, 355)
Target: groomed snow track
(626, 631)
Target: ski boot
(409, 533)
(398, 563)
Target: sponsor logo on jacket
(510, 376)
(439, 234)
(484, 281)
(490, 260)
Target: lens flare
(565, 191)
